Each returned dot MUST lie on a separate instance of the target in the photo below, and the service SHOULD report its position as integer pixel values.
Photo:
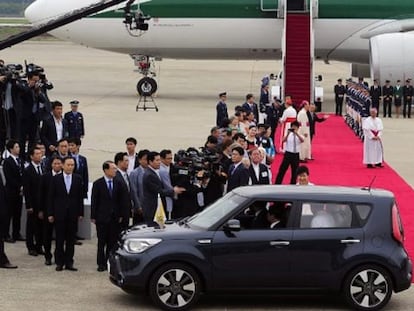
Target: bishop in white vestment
(373, 150)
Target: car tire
(147, 86)
(175, 286)
(368, 287)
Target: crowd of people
(44, 166)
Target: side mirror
(232, 225)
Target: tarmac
(105, 85)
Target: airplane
(376, 36)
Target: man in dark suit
(65, 208)
(4, 261)
(121, 162)
(75, 121)
(32, 176)
(108, 204)
(56, 168)
(238, 175)
(375, 92)
(153, 187)
(81, 167)
(54, 128)
(13, 169)
(313, 118)
(340, 92)
(251, 106)
(275, 216)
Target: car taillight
(397, 228)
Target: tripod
(144, 100)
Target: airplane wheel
(147, 86)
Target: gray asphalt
(104, 83)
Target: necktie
(67, 183)
(126, 180)
(39, 170)
(232, 168)
(110, 187)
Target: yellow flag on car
(159, 216)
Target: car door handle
(350, 241)
(279, 243)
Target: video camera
(11, 71)
(190, 162)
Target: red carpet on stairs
(338, 161)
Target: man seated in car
(275, 216)
(259, 211)
(321, 217)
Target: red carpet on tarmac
(338, 161)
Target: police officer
(75, 121)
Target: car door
(251, 258)
(319, 251)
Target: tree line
(13, 8)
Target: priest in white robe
(373, 149)
(288, 116)
(304, 130)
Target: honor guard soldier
(388, 94)
(408, 92)
(75, 121)
(375, 93)
(340, 91)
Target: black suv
(272, 238)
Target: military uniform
(340, 91)
(75, 122)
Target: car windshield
(216, 211)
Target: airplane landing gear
(147, 86)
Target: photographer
(28, 116)
(211, 183)
(10, 102)
(291, 157)
(45, 107)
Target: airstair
(297, 49)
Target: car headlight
(137, 246)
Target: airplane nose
(34, 12)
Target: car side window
(325, 215)
(265, 215)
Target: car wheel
(174, 286)
(368, 287)
(147, 86)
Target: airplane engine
(391, 57)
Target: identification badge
(264, 174)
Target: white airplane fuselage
(205, 38)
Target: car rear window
(325, 215)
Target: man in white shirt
(293, 141)
(131, 144)
(373, 150)
(258, 172)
